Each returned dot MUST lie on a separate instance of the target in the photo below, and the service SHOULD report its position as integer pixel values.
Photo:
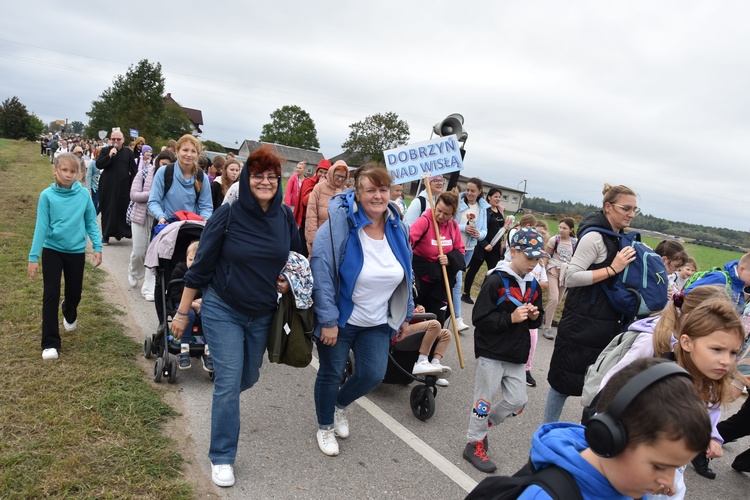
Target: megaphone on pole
(452, 124)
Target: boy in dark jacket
(508, 305)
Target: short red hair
(264, 158)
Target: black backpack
(556, 481)
(169, 179)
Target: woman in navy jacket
(243, 248)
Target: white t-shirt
(379, 277)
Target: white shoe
(462, 327)
(426, 368)
(69, 327)
(132, 281)
(50, 353)
(445, 371)
(327, 442)
(441, 382)
(340, 423)
(222, 475)
(148, 297)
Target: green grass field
(87, 425)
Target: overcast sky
(565, 95)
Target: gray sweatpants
(489, 404)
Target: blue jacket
(337, 259)
(63, 219)
(481, 222)
(561, 443)
(243, 249)
(719, 278)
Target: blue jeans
(554, 407)
(456, 292)
(370, 346)
(238, 343)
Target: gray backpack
(609, 357)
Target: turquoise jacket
(63, 219)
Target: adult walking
(141, 221)
(189, 190)
(294, 185)
(419, 204)
(317, 204)
(588, 321)
(300, 210)
(243, 248)
(361, 265)
(117, 172)
(487, 250)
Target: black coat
(114, 191)
(587, 325)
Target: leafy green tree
(34, 128)
(77, 127)
(174, 121)
(214, 146)
(371, 136)
(14, 119)
(135, 100)
(291, 126)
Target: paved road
(390, 454)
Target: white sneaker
(148, 297)
(441, 382)
(340, 423)
(327, 442)
(445, 371)
(222, 475)
(548, 334)
(462, 327)
(132, 281)
(50, 353)
(426, 368)
(69, 327)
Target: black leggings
(491, 258)
(54, 265)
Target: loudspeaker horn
(453, 124)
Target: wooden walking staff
(448, 292)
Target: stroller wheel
(158, 369)
(172, 369)
(422, 402)
(147, 346)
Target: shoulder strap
(557, 242)
(528, 296)
(422, 203)
(168, 179)
(557, 482)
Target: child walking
(65, 216)
(508, 306)
(194, 312)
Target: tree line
(647, 222)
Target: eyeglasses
(339, 177)
(78, 154)
(117, 140)
(273, 179)
(628, 209)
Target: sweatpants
(490, 404)
(54, 265)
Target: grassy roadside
(87, 425)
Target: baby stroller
(166, 250)
(401, 358)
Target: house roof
(290, 154)
(195, 115)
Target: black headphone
(605, 433)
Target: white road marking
(414, 442)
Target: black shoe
(208, 363)
(185, 361)
(530, 380)
(466, 298)
(554, 323)
(105, 242)
(742, 462)
(476, 454)
(700, 462)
